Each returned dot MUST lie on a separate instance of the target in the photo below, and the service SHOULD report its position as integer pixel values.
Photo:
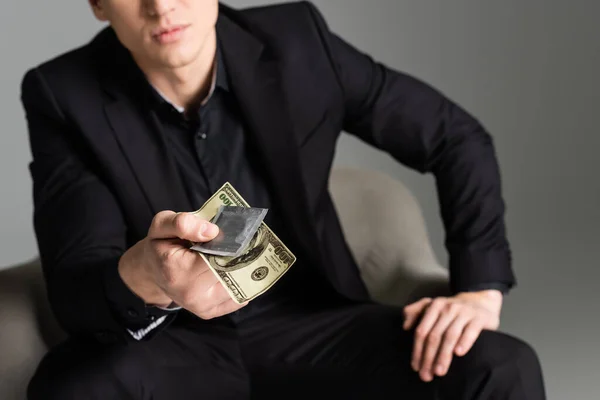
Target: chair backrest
(385, 230)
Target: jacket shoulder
(72, 75)
(278, 11)
(80, 56)
(285, 24)
(77, 65)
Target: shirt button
(132, 313)
(202, 135)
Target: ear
(98, 9)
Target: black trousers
(292, 351)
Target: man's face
(161, 33)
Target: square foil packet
(237, 225)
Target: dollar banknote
(264, 260)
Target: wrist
(134, 274)
(491, 294)
(490, 299)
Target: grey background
(526, 69)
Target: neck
(188, 85)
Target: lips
(168, 34)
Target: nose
(158, 8)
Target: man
(134, 130)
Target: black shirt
(210, 146)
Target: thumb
(182, 225)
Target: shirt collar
(222, 79)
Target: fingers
(447, 327)
(187, 226)
(179, 270)
(422, 331)
(205, 295)
(469, 336)
(434, 341)
(413, 311)
(227, 307)
(218, 294)
(451, 338)
(183, 275)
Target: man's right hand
(161, 268)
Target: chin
(179, 57)
(175, 62)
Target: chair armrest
(23, 311)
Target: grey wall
(528, 70)
(30, 32)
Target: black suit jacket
(101, 169)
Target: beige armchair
(382, 223)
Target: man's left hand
(449, 326)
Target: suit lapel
(148, 157)
(140, 137)
(255, 79)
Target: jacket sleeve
(79, 227)
(424, 130)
